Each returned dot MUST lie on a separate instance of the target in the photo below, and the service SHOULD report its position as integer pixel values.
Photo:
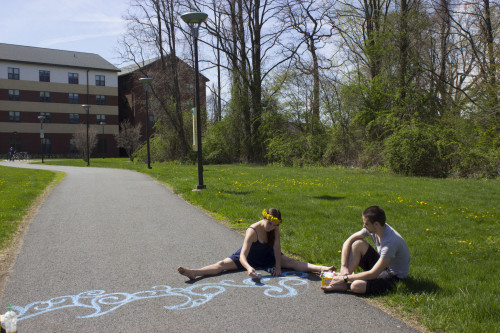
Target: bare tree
(309, 20)
(152, 33)
(479, 31)
(361, 25)
(247, 33)
(80, 139)
(129, 138)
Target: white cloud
(96, 25)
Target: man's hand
(337, 284)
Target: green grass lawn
(450, 225)
(19, 188)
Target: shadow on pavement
(313, 277)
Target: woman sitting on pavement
(261, 249)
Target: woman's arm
(277, 252)
(250, 237)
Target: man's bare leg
(358, 250)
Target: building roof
(132, 68)
(135, 67)
(38, 55)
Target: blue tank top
(259, 256)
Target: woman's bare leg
(214, 269)
(287, 262)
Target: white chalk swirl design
(99, 303)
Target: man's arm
(373, 273)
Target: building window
(152, 120)
(102, 146)
(44, 96)
(74, 118)
(99, 80)
(73, 98)
(44, 76)
(14, 116)
(101, 118)
(15, 142)
(73, 78)
(13, 73)
(13, 95)
(100, 99)
(47, 146)
(46, 115)
(72, 146)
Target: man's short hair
(375, 214)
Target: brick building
(54, 84)
(132, 96)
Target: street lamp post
(194, 20)
(42, 135)
(86, 107)
(102, 123)
(146, 82)
(15, 140)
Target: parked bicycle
(21, 156)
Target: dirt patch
(8, 255)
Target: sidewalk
(101, 256)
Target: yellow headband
(271, 218)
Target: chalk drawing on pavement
(100, 303)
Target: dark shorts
(384, 281)
(264, 262)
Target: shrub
(414, 150)
(217, 145)
(478, 154)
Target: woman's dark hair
(271, 236)
(375, 214)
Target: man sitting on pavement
(382, 268)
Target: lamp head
(146, 82)
(86, 107)
(194, 18)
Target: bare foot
(186, 272)
(335, 287)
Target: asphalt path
(101, 255)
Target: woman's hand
(251, 272)
(276, 271)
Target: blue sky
(93, 26)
